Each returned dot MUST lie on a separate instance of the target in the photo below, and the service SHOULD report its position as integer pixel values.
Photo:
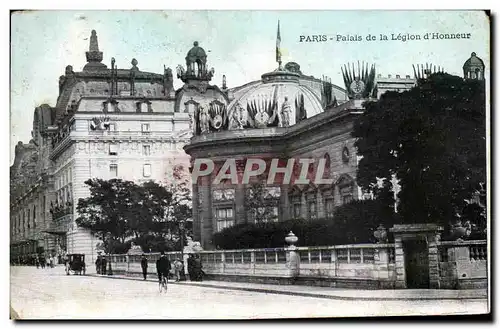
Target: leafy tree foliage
(433, 139)
(119, 212)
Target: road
(50, 294)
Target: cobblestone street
(50, 294)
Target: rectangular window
(147, 170)
(346, 198)
(312, 209)
(145, 128)
(296, 210)
(146, 150)
(113, 149)
(113, 170)
(112, 127)
(346, 194)
(329, 207)
(224, 218)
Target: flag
(278, 43)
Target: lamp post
(181, 231)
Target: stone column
(433, 261)
(303, 205)
(399, 259)
(284, 205)
(239, 204)
(205, 211)
(196, 215)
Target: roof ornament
(423, 71)
(359, 84)
(196, 66)
(94, 56)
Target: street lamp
(181, 229)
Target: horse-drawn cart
(75, 263)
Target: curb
(294, 293)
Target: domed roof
(284, 87)
(196, 51)
(473, 61)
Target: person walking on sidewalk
(104, 263)
(144, 266)
(191, 273)
(98, 264)
(178, 265)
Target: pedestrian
(51, 261)
(98, 264)
(103, 265)
(37, 261)
(144, 266)
(42, 261)
(178, 265)
(191, 267)
(198, 268)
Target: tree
(108, 212)
(120, 212)
(432, 138)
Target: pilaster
(284, 203)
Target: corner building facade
(284, 116)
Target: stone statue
(237, 118)
(204, 119)
(286, 110)
(180, 71)
(191, 122)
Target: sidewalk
(327, 292)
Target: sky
(239, 44)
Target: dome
(473, 61)
(283, 87)
(196, 52)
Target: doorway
(416, 264)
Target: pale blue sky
(239, 44)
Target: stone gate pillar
(292, 256)
(428, 232)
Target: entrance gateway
(416, 251)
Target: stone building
(126, 123)
(107, 123)
(283, 117)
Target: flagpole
(278, 47)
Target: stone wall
(463, 265)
